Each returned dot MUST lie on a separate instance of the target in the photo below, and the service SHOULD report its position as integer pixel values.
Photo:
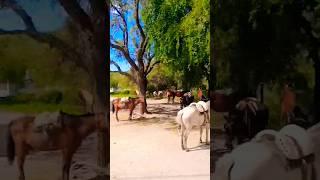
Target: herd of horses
(247, 117)
(261, 153)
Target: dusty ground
(47, 165)
(149, 147)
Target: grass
(31, 108)
(121, 95)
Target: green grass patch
(122, 94)
(31, 108)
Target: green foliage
(47, 69)
(180, 33)
(36, 107)
(272, 100)
(118, 80)
(162, 77)
(51, 97)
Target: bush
(151, 88)
(51, 97)
(24, 98)
(272, 101)
(125, 92)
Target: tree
(91, 33)
(180, 33)
(267, 36)
(141, 59)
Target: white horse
(196, 114)
(160, 93)
(155, 93)
(292, 153)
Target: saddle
(295, 144)
(47, 123)
(203, 109)
(124, 99)
(250, 103)
(292, 140)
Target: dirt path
(149, 147)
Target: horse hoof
(207, 143)
(187, 150)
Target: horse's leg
(130, 115)
(201, 134)
(207, 133)
(182, 136)
(117, 114)
(21, 152)
(173, 99)
(186, 134)
(67, 157)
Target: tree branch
(149, 59)
(121, 72)
(136, 15)
(126, 54)
(73, 8)
(152, 66)
(125, 30)
(47, 38)
(27, 20)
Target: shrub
(51, 97)
(24, 98)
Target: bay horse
(171, 94)
(130, 104)
(23, 139)
(288, 103)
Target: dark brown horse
(172, 94)
(23, 139)
(130, 104)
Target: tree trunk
(316, 105)
(102, 85)
(143, 92)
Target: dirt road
(149, 147)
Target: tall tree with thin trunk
(132, 44)
(91, 31)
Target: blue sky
(47, 16)
(118, 35)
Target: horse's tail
(10, 145)
(113, 108)
(224, 167)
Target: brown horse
(130, 104)
(22, 138)
(171, 94)
(288, 102)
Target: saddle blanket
(46, 121)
